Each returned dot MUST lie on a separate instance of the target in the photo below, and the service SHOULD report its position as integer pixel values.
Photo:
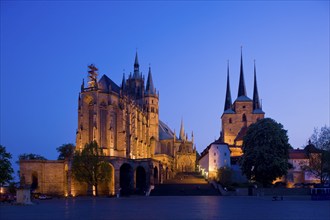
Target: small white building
(215, 156)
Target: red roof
(297, 154)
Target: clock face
(88, 99)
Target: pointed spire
(150, 89)
(123, 82)
(136, 66)
(82, 85)
(228, 103)
(256, 101)
(241, 87)
(182, 135)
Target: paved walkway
(184, 207)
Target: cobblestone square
(185, 207)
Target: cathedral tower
(151, 99)
(237, 117)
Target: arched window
(230, 121)
(244, 117)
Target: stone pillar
(117, 181)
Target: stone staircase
(185, 184)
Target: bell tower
(151, 99)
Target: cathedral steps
(185, 184)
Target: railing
(320, 194)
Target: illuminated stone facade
(124, 120)
(237, 117)
(45, 176)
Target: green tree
(265, 151)
(65, 151)
(6, 169)
(31, 157)
(318, 150)
(90, 166)
(224, 176)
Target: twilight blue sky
(46, 47)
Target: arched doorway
(108, 187)
(156, 175)
(140, 180)
(35, 182)
(125, 179)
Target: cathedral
(124, 120)
(238, 116)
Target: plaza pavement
(171, 207)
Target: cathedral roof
(258, 111)
(165, 132)
(243, 98)
(229, 111)
(105, 82)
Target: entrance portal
(125, 179)
(140, 180)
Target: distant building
(238, 116)
(300, 158)
(124, 121)
(235, 120)
(215, 156)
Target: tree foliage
(265, 151)
(319, 154)
(65, 151)
(90, 166)
(224, 176)
(6, 169)
(321, 138)
(31, 157)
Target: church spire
(256, 101)
(182, 135)
(123, 82)
(136, 66)
(228, 102)
(150, 89)
(241, 87)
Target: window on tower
(244, 117)
(230, 121)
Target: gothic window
(152, 109)
(230, 121)
(244, 117)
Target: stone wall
(49, 175)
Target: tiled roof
(105, 82)
(243, 98)
(229, 111)
(165, 132)
(297, 154)
(258, 111)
